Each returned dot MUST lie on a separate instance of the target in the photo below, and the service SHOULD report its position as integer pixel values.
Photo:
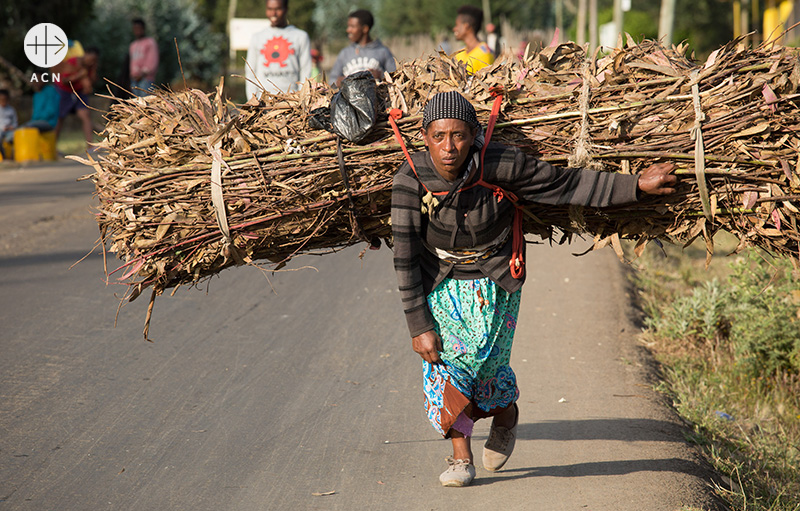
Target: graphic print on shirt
(361, 64)
(276, 51)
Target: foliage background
(200, 25)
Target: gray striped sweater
(474, 217)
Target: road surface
(298, 390)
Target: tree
(705, 24)
(330, 17)
(216, 13)
(202, 51)
(525, 14)
(301, 14)
(408, 17)
(639, 23)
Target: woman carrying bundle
(458, 254)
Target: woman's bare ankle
(507, 418)
(462, 446)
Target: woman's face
(448, 141)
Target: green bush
(755, 316)
(765, 333)
(700, 316)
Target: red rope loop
(396, 113)
(516, 263)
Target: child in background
(8, 120)
(77, 71)
(316, 61)
(143, 61)
(46, 100)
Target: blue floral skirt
(476, 320)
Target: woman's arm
(407, 233)
(539, 181)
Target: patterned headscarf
(449, 105)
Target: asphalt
(299, 389)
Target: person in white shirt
(279, 57)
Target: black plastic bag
(355, 107)
(320, 119)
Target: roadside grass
(728, 339)
(71, 142)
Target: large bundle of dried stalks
(731, 125)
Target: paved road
(271, 388)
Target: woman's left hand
(657, 180)
(428, 345)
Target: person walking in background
(316, 63)
(279, 57)
(494, 40)
(88, 75)
(77, 71)
(363, 53)
(143, 52)
(8, 120)
(46, 99)
(476, 55)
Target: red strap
(517, 263)
(498, 100)
(396, 113)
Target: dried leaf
(615, 243)
(754, 130)
(640, 246)
(786, 170)
(165, 224)
(769, 96)
(776, 219)
(749, 199)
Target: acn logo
(45, 45)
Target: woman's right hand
(428, 345)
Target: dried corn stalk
(731, 124)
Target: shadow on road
(67, 259)
(56, 191)
(598, 468)
(628, 430)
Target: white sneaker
(500, 445)
(459, 473)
